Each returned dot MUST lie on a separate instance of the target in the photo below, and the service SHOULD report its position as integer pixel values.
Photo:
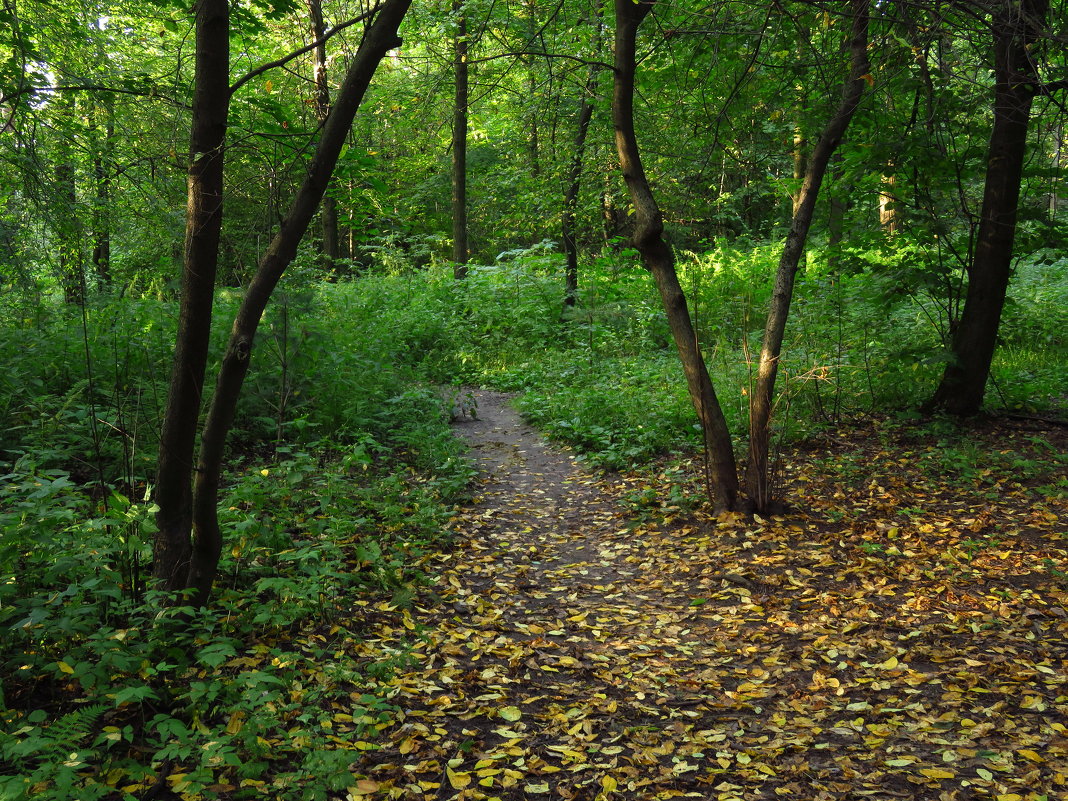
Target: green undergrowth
(343, 472)
(867, 334)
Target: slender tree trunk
(328, 212)
(836, 216)
(459, 144)
(211, 103)
(800, 161)
(68, 232)
(533, 142)
(1015, 27)
(378, 40)
(574, 182)
(657, 255)
(757, 478)
(102, 176)
(889, 221)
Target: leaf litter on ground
(902, 634)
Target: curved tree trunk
(657, 255)
(1015, 26)
(760, 408)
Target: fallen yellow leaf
(938, 773)
(458, 779)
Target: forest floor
(901, 633)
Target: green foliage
(345, 475)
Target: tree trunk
(574, 181)
(377, 41)
(102, 176)
(328, 213)
(1015, 27)
(459, 144)
(889, 221)
(657, 255)
(204, 208)
(760, 408)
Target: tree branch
(280, 62)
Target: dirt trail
(536, 504)
(581, 652)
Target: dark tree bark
(68, 232)
(380, 37)
(189, 544)
(328, 212)
(459, 144)
(571, 194)
(1016, 26)
(102, 177)
(204, 209)
(761, 401)
(574, 183)
(657, 255)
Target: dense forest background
(887, 175)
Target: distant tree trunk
(574, 183)
(1015, 27)
(532, 110)
(800, 161)
(68, 233)
(760, 408)
(102, 176)
(838, 205)
(889, 221)
(204, 208)
(328, 212)
(657, 255)
(192, 511)
(459, 144)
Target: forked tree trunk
(204, 207)
(459, 144)
(761, 401)
(657, 255)
(1015, 26)
(187, 512)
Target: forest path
(583, 650)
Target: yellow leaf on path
(364, 787)
(510, 713)
(458, 780)
(889, 664)
(537, 788)
(938, 773)
(1029, 754)
(608, 784)
(1010, 797)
